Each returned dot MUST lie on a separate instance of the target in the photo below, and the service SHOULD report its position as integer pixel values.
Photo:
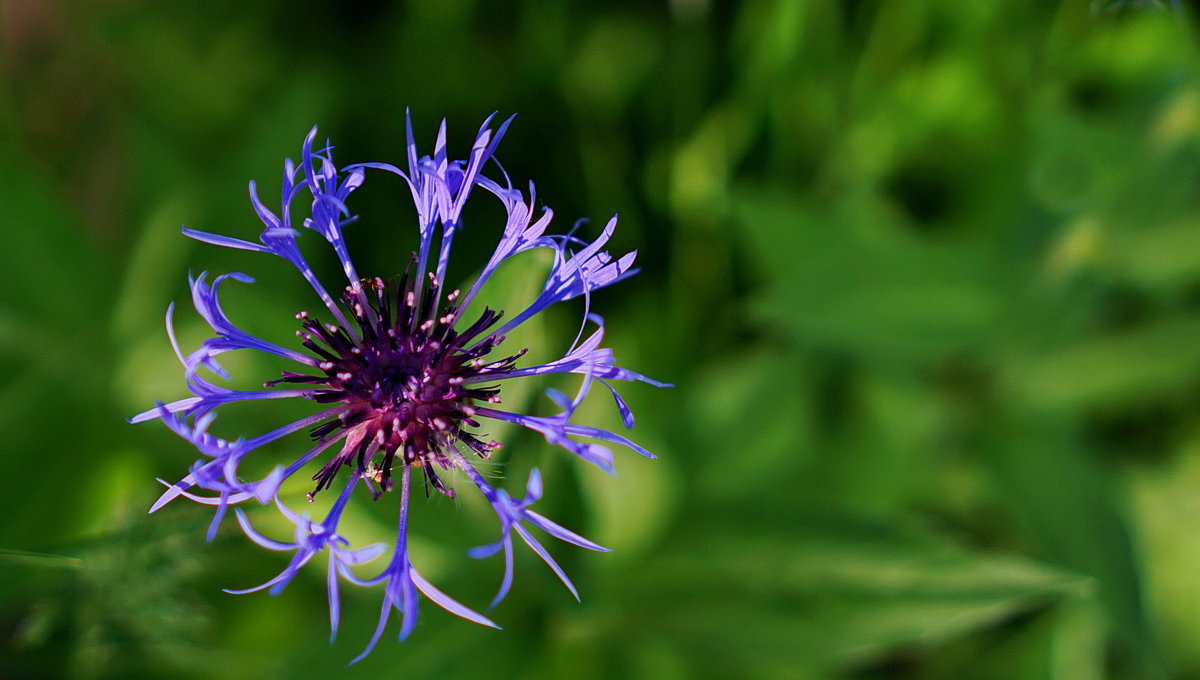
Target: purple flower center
(406, 378)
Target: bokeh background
(926, 274)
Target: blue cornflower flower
(402, 379)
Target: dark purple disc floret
(398, 377)
(408, 381)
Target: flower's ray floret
(402, 582)
(403, 380)
(309, 540)
(512, 513)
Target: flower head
(401, 380)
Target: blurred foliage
(926, 274)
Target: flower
(400, 379)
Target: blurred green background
(926, 274)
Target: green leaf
(838, 281)
(835, 590)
